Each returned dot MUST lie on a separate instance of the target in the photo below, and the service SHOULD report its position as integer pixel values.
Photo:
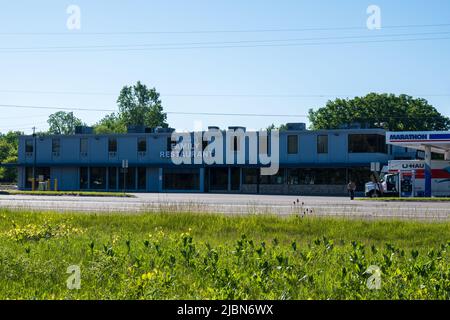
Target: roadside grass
(66, 193)
(396, 199)
(213, 256)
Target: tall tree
(139, 105)
(8, 154)
(111, 123)
(63, 123)
(388, 111)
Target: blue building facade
(310, 163)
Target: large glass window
(98, 178)
(367, 143)
(273, 179)
(130, 178)
(29, 146)
(84, 146)
(56, 146)
(250, 176)
(325, 176)
(84, 182)
(142, 145)
(112, 145)
(218, 178)
(112, 178)
(142, 178)
(235, 179)
(181, 179)
(292, 144)
(42, 174)
(322, 143)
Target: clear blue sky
(344, 70)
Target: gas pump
(406, 184)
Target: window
(292, 144)
(323, 176)
(367, 143)
(322, 144)
(218, 178)
(84, 182)
(29, 146)
(56, 146)
(142, 145)
(181, 179)
(112, 145)
(250, 176)
(142, 178)
(98, 178)
(112, 178)
(273, 179)
(130, 178)
(83, 146)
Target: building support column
(428, 191)
(136, 179)
(107, 179)
(117, 177)
(447, 155)
(202, 179)
(229, 179)
(160, 179)
(89, 177)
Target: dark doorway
(235, 179)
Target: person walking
(351, 187)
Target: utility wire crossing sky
(218, 62)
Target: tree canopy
(8, 154)
(111, 123)
(388, 111)
(63, 123)
(139, 105)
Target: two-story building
(310, 162)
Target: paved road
(234, 204)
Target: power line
(337, 28)
(112, 46)
(212, 95)
(381, 118)
(226, 46)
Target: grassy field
(189, 256)
(66, 193)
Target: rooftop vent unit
(237, 128)
(299, 126)
(164, 130)
(136, 129)
(84, 130)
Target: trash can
(42, 186)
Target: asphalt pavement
(234, 204)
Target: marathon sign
(408, 137)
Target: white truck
(406, 178)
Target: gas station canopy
(438, 141)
